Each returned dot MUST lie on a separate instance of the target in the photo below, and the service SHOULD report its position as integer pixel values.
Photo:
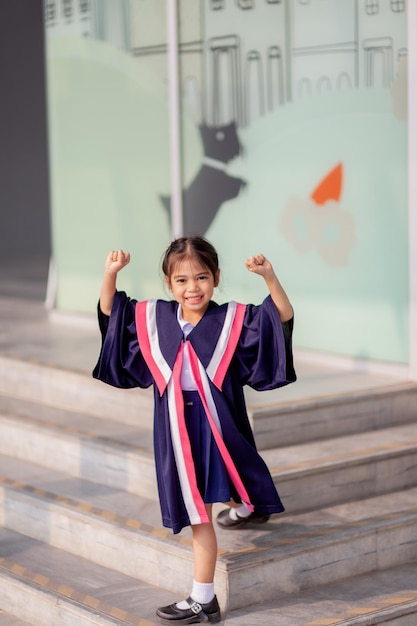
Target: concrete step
(279, 418)
(388, 597)
(73, 391)
(49, 587)
(323, 473)
(259, 563)
(308, 476)
(304, 551)
(107, 451)
(6, 619)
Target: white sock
(202, 593)
(183, 605)
(242, 511)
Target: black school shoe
(224, 520)
(197, 613)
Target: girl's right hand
(116, 260)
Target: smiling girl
(198, 356)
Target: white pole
(412, 182)
(174, 118)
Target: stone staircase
(81, 541)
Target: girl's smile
(192, 286)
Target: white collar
(186, 327)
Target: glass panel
(109, 143)
(295, 143)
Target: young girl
(198, 356)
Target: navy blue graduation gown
(233, 345)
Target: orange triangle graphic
(330, 188)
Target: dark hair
(190, 248)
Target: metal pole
(174, 119)
(412, 182)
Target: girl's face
(192, 286)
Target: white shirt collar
(186, 327)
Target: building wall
(24, 192)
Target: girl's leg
(202, 596)
(205, 550)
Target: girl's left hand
(258, 264)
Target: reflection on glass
(372, 7)
(254, 82)
(378, 62)
(50, 10)
(324, 84)
(216, 5)
(245, 4)
(397, 6)
(224, 63)
(275, 77)
(344, 81)
(67, 8)
(304, 88)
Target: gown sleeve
(120, 362)
(263, 356)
